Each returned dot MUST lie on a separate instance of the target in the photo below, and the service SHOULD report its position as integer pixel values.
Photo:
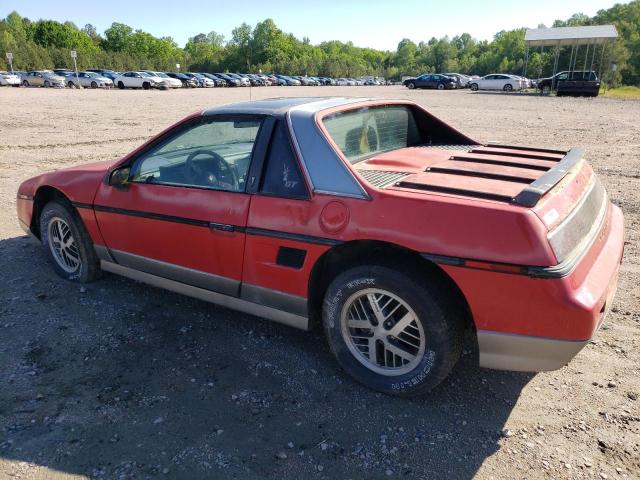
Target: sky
(373, 23)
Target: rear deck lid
(505, 173)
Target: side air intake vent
(382, 179)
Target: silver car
(42, 78)
(88, 79)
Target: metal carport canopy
(559, 36)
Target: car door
(484, 83)
(278, 255)
(37, 79)
(183, 213)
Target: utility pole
(10, 60)
(74, 55)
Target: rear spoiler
(532, 193)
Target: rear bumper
(536, 324)
(504, 351)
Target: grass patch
(624, 92)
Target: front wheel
(508, 87)
(411, 85)
(71, 85)
(67, 243)
(146, 85)
(46, 84)
(121, 85)
(94, 85)
(393, 332)
(474, 87)
(25, 83)
(441, 86)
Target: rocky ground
(117, 380)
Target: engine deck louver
(382, 179)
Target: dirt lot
(120, 380)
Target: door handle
(224, 227)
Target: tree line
(265, 47)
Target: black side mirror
(120, 178)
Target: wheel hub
(382, 332)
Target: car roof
(280, 106)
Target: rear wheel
(394, 332)
(411, 85)
(46, 84)
(67, 243)
(25, 83)
(94, 85)
(441, 86)
(508, 87)
(121, 85)
(71, 85)
(474, 87)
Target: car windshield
(144, 74)
(160, 74)
(363, 133)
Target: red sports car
(373, 218)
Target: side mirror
(120, 178)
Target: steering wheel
(222, 175)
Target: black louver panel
(382, 179)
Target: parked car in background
(430, 80)
(290, 81)
(87, 80)
(104, 72)
(498, 81)
(172, 82)
(575, 83)
(186, 81)
(9, 79)
(277, 81)
(139, 79)
(217, 82)
(42, 78)
(63, 72)
(395, 310)
(231, 82)
(244, 81)
(203, 81)
(462, 81)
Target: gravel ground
(117, 380)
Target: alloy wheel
(63, 246)
(382, 332)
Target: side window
(282, 176)
(213, 153)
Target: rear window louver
(382, 179)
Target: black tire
(440, 86)
(89, 265)
(71, 84)
(25, 83)
(146, 85)
(436, 309)
(94, 85)
(411, 85)
(46, 84)
(121, 85)
(508, 88)
(474, 87)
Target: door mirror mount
(119, 178)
